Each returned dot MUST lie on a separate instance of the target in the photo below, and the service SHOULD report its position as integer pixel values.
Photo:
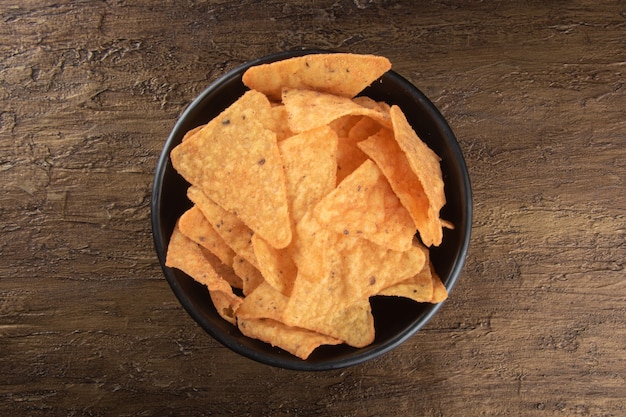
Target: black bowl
(395, 319)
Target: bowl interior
(395, 319)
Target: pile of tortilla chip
(306, 203)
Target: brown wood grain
(534, 91)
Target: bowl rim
(161, 241)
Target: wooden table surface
(534, 90)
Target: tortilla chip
(337, 303)
(186, 255)
(310, 168)
(418, 288)
(354, 324)
(425, 164)
(265, 302)
(224, 271)
(341, 74)
(230, 228)
(299, 342)
(310, 109)
(369, 103)
(367, 268)
(317, 307)
(342, 125)
(235, 161)
(384, 150)
(312, 248)
(364, 206)
(276, 265)
(195, 226)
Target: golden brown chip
(276, 265)
(366, 268)
(310, 109)
(337, 303)
(418, 288)
(316, 306)
(186, 255)
(264, 302)
(299, 342)
(341, 74)
(310, 165)
(354, 324)
(363, 129)
(384, 150)
(235, 161)
(372, 104)
(312, 249)
(364, 206)
(230, 228)
(425, 164)
(195, 226)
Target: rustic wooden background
(534, 91)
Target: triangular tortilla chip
(310, 109)
(230, 228)
(337, 302)
(235, 161)
(385, 151)
(353, 323)
(195, 226)
(310, 163)
(366, 268)
(425, 164)
(315, 306)
(276, 265)
(312, 247)
(418, 288)
(299, 342)
(341, 74)
(186, 255)
(364, 205)
(265, 302)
